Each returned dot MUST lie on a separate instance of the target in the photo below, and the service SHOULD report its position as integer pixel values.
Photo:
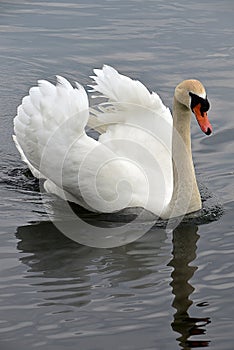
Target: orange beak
(202, 119)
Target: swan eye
(195, 100)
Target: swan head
(192, 94)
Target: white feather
(118, 170)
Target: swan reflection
(184, 252)
(73, 275)
(53, 255)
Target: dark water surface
(166, 290)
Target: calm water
(165, 290)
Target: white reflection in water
(76, 286)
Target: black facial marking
(195, 100)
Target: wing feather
(50, 136)
(46, 109)
(122, 89)
(136, 124)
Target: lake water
(166, 290)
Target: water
(165, 290)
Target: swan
(142, 156)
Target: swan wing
(50, 136)
(135, 123)
(125, 94)
(49, 120)
(44, 110)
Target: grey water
(166, 290)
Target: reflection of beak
(202, 119)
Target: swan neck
(186, 197)
(181, 125)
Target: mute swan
(142, 157)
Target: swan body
(142, 157)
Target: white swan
(142, 157)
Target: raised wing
(130, 164)
(50, 136)
(135, 124)
(126, 94)
(45, 109)
(49, 123)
